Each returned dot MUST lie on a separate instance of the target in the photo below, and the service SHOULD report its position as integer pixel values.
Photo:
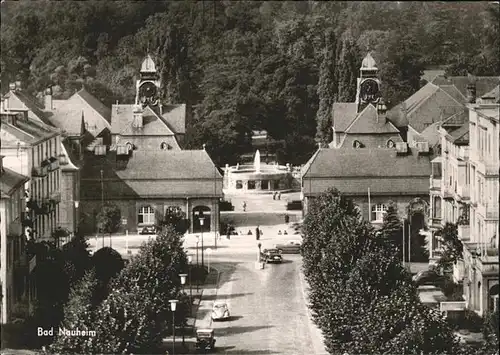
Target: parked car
(148, 230)
(271, 256)
(295, 205)
(291, 247)
(205, 339)
(428, 277)
(220, 311)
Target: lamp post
(183, 282)
(190, 261)
(202, 220)
(197, 241)
(209, 252)
(173, 306)
(75, 228)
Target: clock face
(147, 93)
(369, 91)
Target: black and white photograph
(249, 177)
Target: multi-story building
(33, 149)
(464, 190)
(14, 265)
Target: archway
(417, 211)
(198, 213)
(493, 298)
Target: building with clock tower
(364, 123)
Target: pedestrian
(279, 232)
(274, 195)
(279, 195)
(285, 232)
(287, 218)
(257, 233)
(249, 232)
(244, 206)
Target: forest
(245, 65)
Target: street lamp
(190, 261)
(197, 241)
(202, 220)
(183, 282)
(209, 252)
(173, 306)
(75, 228)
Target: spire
(148, 65)
(82, 125)
(368, 62)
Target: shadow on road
(228, 350)
(225, 297)
(230, 330)
(206, 246)
(285, 261)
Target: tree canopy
(244, 65)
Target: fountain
(256, 162)
(257, 177)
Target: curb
(313, 329)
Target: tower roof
(368, 62)
(148, 65)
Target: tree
(392, 228)
(79, 313)
(77, 258)
(348, 64)
(452, 246)
(109, 219)
(107, 263)
(175, 216)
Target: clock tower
(148, 86)
(368, 89)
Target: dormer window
(390, 144)
(357, 144)
(129, 146)
(165, 146)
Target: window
(239, 184)
(357, 144)
(251, 184)
(390, 144)
(165, 146)
(378, 212)
(146, 215)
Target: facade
(143, 184)
(33, 149)
(148, 124)
(464, 190)
(364, 123)
(363, 176)
(14, 265)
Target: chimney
(48, 100)
(471, 93)
(381, 112)
(138, 117)
(18, 85)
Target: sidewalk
(201, 316)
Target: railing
(436, 221)
(435, 183)
(491, 169)
(40, 171)
(463, 191)
(55, 196)
(463, 232)
(447, 191)
(53, 164)
(491, 210)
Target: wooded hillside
(243, 65)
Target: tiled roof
(431, 134)
(456, 119)
(366, 162)
(453, 92)
(483, 83)
(460, 135)
(353, 171)
(97, 105)
(31, 104)
(420, 96)
(10, 181)
(343, 113)
(68, 116)
(367, 122)
(160, 173)
(495, 93)
(172, 121)
(430, 74)
(27, 131)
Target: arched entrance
(198, 213)
(417, 219)
(493, 298)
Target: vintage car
(205, 339)
(271, 256)
(290, 247)
(220, 311)
(148, 230)
(428, 277)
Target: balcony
(483, 256)
(448, 192)
(55, 196)
(40, 171)
(436, 222)
(53, 164)
(463, 154)
(463, 232)
(491, 169)
(491, 211)
(463, 192)
(435, 183)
